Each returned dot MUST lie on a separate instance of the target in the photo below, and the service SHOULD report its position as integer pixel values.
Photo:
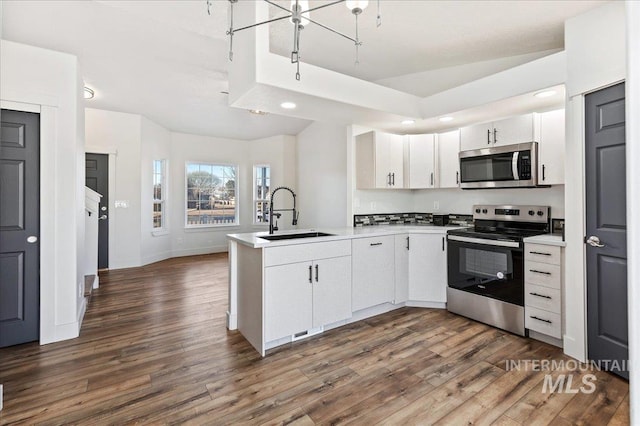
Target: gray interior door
(97, 178)
(19, 227)
(606, 226)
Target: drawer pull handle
(539, 272)
(540, 295)
(540, 253)
(375, 244)
(540, 319)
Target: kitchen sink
(295, 236)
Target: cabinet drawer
(542, 253)
(542, 297)
(306, 252)
(542, 274)
(542, 321)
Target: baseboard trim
(199, 251)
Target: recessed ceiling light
(408, 122)
(545, 94)
(288, 105)
(258, 112)
(88, 93)
(445, 119)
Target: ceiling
(167, 60)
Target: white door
(448, 147)
(401, 268)
(396, 160)
(382, 160)
(288, 300)
(331, 290)
(427, 268)
(519, 129)
(551, 148)
(421, 162)
(373, 271)
(476, 137)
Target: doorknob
(103, 217)
(594, 241)
(32, 239)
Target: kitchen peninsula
(301, 283)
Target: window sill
(211, 228)
(160, 232)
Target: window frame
(236, 222)
(257, 200)
(164, 229)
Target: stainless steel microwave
(509, 166)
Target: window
(159, 195)
(261, 194)
(211, 195)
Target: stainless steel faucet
(272, 212)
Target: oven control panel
(538, 214)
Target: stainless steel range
(486, 264)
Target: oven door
(488, 268)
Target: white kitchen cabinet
(543, 290)
(401, 268)
(373, 271)
(427, 268)
(551, 148)
(305, 286)
(331, 290)
(420, 170)
(288, 300)
(379, 160)
(518, 129)
(448, 147)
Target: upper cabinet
(420, 170)
(448, 146)
(379, 160)
(551, 148)
(519, 129)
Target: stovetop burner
(506, 223)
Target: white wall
(595, 51)
(461, 201)
(120, 133)
(322, 175)
(44, 81)
(278, 152)
(155, 145)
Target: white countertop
(548, 239)
(252, 239)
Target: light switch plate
(122, 204)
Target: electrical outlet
(436, 206)
(373, 206)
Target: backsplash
(407, 219)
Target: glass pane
(157, 215)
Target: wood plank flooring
(154, 350)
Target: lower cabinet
(301, 296)
(427, 268)
(402, 246)
(373, 271)
(543, 289)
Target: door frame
(49, 331)
(112, 152)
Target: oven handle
(483, 241)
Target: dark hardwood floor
(154, 349)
